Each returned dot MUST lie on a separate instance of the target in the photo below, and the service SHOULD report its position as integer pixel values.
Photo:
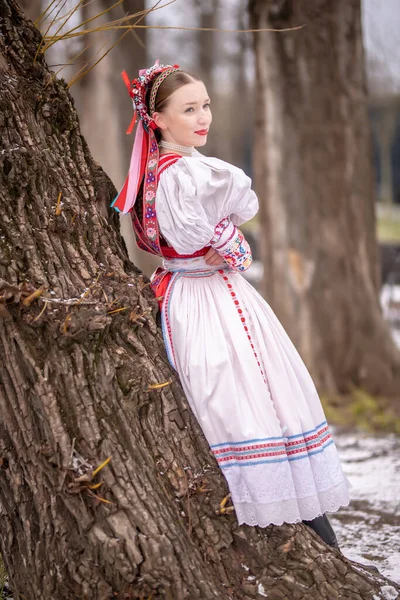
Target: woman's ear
(159, 120)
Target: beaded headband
(140, 87)
(156, 85)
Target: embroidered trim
(217, 248)
(166, 323)
(169, 252)
(141, 239)
(231, 244)
(247, 453)
(243, 320)
(165, 161)
(277, 437)
(219, 230)
(150, 225)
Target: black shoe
(323, 528)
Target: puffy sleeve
(195, 194)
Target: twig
(75, 79)
(101, 466)
(157, 386)
(42, 311)
(58, 205)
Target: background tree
(382, 58)
(103, 104)
(84, 377)
(314, 177)
(384, 103)
(32, 8)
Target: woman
(242, 376)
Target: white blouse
(195, 194)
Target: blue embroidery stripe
(267, 455)
(261, 440)
(225, 453)
(207, 273)
(282, 446)
(273, 460)
(165, 309)
(229, 456)
(323, 424)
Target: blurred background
(264, 83)
(225, 61)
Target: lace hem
(293, 510)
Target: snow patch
(261, 590)
(388, 592)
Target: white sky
(381, 30)
(380, 21)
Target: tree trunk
(80, 353)
(104, 107)
(313, 173)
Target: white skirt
(252, 396)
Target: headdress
(144, 160)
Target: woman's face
(187, 117)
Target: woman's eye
(192, 109)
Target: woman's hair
(170, 84)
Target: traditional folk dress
(243, 378)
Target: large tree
(313, 174)
(84, 377)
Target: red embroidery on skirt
(243, 320)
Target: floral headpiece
(138, 90)
(144, 160)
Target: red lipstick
(202, 132)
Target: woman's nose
(204, 119)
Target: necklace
(176, 147)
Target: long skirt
(252, 396)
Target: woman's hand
(213, 258)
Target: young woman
(243, 378)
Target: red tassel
(127, 81)
(119, 202)
(132, 124)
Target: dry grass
(60, 22)
(46, 22)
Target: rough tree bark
(313, 173)
(76, 376)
